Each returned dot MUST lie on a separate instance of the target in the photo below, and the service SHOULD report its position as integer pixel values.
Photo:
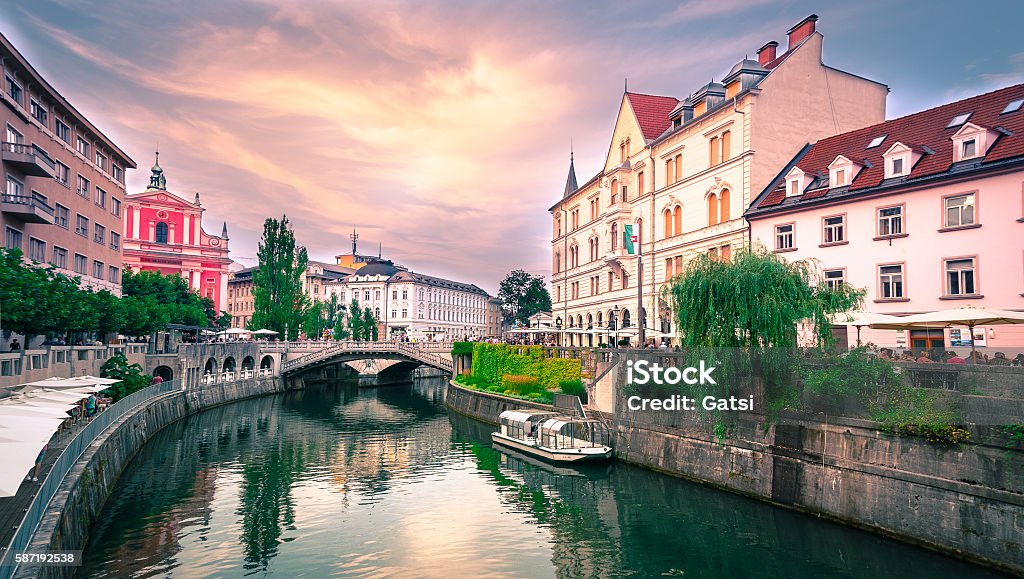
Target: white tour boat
(552, 436)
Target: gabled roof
(652, 112)
(926, 131)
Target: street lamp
(558, 327)
(612, 326)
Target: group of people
(951, 357)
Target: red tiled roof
(652, 112)
(918, 130)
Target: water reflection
(341, 481)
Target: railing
(29, 201)
(34, 150)
(67, 459)
(405, 348)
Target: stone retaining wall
(73, 511)
(485, 406)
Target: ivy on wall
(492, 362)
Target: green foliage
(755, 300)
(279, 302)
(316, 319)
(491, 362)
(523, 295)
(152, 300)
(355, 324)
(132, 376)
(572, 387)
(521, 385)
(370, 329)
(462, 348)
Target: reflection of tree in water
(266, 502)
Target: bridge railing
(406, 348)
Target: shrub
(492, 362)
(572, 387)
(462, 348)
(521, 385)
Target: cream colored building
(683, 173)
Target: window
(115, 206)
(679, 167)
(394, 313)
(713, 147)
(376, 294)
(793, 188)
(890, 280)
(12, 238)
(890, 221)
(14, 136)
(114, 274)
(615, 191)
(81, 225)
(668, 269)
(959, 210)
(14, 89)
(97, 269)
(100, 234)
(115, 240)
(840, 178)
(712, 209)
(958, 120)
(615, 236)
(82, 146)
(670, 172)
(876, 142)
(1013, 106)
(723, 206)
(667, 217)
(117, 173)
(101, 161)
(726, 146)
(60, 257)
(834, 229)
(558, 262)
(960, 277)
(63, 174)
(39, 112)
(394, 294)
(60, 216)
(15, 189)
(640, 183)
(366, 295)
(834, 278)
(625, 280)
(81, 263)
(625, 191)
(83, 186)
(62, 131)
(897, 167)
(611, 278)
(405, 313)
(970, 149)
(101, 197)
(784, 237)
(36, 249)
(161, 232)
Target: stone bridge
(404, 357)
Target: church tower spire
(157, 181)
(570, 182)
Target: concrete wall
(485, 406)
(78, 503)
(62, 361)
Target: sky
(441, 131)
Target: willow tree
(757, 299)
(278, 299)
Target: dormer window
(897, 167)
(796, 182)
(842, 172)
(900, 159)
(972, 142)
(970, 149)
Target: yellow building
(682, 173)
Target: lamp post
(613, 326)
(558, 328)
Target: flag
(629, 240)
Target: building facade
(924, 212)
(64, 180)
(681, 174)
(240, 298)
(164, 232)
(315, 284)
(416, 306)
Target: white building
(421, 307)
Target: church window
(161, 232)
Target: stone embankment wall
(485, 406)
(74, 509)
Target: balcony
(28, 159)
(26, 208)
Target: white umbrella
(8, 411)
(235, 331)
(265, 332)
(969, 316)
(859, 319)
(19, 458)
(98, 380)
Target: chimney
(802, 30)
(766, 53)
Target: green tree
(157, 300)
(132, 377)
(315, 319)
(370, 329)
(355, 323)
(756, 299)
(523, 295)
(277, 285)
(223, 320)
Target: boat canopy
(565, 432)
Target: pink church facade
(925, 213)
(164, 232)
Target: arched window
(558, 225)
(669, 231)
(677, 218)
(712, 209)
(161, 232)
(640, 183)
(615, 191)
(615, 236)
(625, 319)
(558, 267)
(723, 204)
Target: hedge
(492, 362)
(462, 348)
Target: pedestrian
(157, 380)
(15, 345)
(34, 473)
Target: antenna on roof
(625, 87)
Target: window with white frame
(960, 277)
(890, 282)
(969, 149)
(834, 229)
(959, 210)
(62, 131)
(14, 89)
(63, 174)
(15, 189)
(83, 186)
(60, 216)
(834, 278)
(890, 221)
(784, 236)
(896, 167)
(12, 238)
(82, 146)
(36, 249)
(39, 112)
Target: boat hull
(560, 455)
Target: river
(335, 481)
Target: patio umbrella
(969, 316)
(265, 332)
(859, 319)
(235, 331)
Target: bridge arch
(229, 364)
(248, 363)
(267, 363)
(211, 366)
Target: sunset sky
(442, 129)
